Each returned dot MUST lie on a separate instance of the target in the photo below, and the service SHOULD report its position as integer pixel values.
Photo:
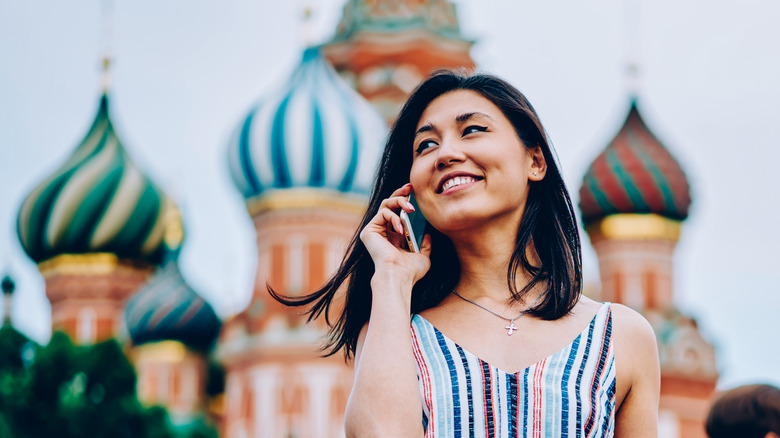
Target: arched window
(87, 326)
(650, 289)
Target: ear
(538, 164)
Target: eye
(425, 144)
(474, 128)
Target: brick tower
(304, 160)
(95, 228)
(633, 199)
(173, 330)
(385, 48)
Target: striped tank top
(570, 393)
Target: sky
(185, 72)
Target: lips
(455, 179)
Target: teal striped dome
(315, 132)
(97, 201)
(168, 309)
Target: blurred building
(172, 331)
(100, 230)
(304, 160)
(106, 238)
(16, 349)
(95, 228)
(633, 200)
(385, 48)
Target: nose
(449, 153)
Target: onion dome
(97, 201)
(168, 309)
(437, 16)
(314, 132)
(634, 174)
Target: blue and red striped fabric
(570, 393)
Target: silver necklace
(511, 327)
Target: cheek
(417, 176)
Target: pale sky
(186, 71)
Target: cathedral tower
(633, 199)
(95, 228)
(385, 48)
(304, 160)
(173, 330)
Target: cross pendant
(510, 328)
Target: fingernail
(409, 204)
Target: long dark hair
(548, 226)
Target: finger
(425, 246)
(389, 218)
(397, 203)
(404, 190)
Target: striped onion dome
(634, 174)
(313, 132)
(168, 309)
(97, 201)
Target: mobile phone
(414, 225)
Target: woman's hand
(385, 399)
(384, 240)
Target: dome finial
(632, 32)
(308, 23)
(8, 286)
(633, 81)
(106, 37)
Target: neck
(484, 256)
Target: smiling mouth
(457, 181)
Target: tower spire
(106, 40)
(632, 31)
(308, 23)
(8, 286)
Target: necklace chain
(511, 327)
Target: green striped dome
(97, 201)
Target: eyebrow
(464, 117)
(425, 128)
(459, 119)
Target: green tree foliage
(64, 390)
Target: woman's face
(469, 167)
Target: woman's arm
(638, 374)
(385, 399)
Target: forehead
(448, 106)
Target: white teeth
(458, 180)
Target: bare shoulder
(636, 356)
(630, 326)
(638, 373)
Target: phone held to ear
(414, 225)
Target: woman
(501, 341)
